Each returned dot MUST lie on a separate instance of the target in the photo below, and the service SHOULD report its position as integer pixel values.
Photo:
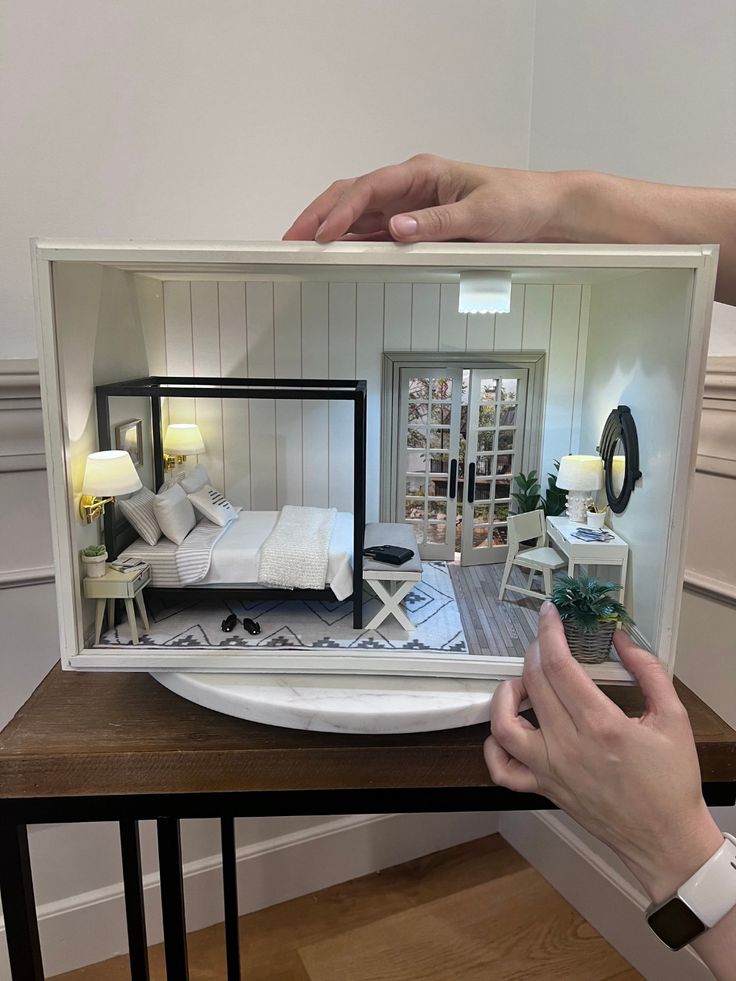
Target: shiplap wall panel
(235, 412)
(481, 333)
(561, 370)
(453, 324)
(342, 330)
(259, 317)
(397, 313)
(206, 361)
(280, 453)
(179, 355)
(368, 357)
(287, 325)
(425, 317)
(507, 336)
(315, 415)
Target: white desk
(578, 552)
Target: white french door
(460, 444)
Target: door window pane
(508, 415)
(415, 486)
(501, 512)
(481, 514)
(441, 414)
(480, 536)
(487, 415)
(416, 438)
(441, 388)
(414, 510)
(418, 413)
(506, 439)
(419, 388)
(437, 510)
(436, 533)
(509, 389)
(437, 486)
(500, 535)
(483, 490)
(488, 389)
(485, 441)
(439, 439)
(503, 464)
(503, 490)
(484, 465)
(416, 461)
(439, 462)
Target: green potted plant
(526, 495)
(94, 558)
(555, 499)
(589, 614)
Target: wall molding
(717, 442)
(720, 379)
(715, 589)
(16, 578)
(21, 426)
(90, 927)
(586, 878)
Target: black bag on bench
(393, 554)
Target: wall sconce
(181, 439)
(580, 476)
(107, 475)
(485, 291)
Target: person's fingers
(516, 734)
(399, 185)
(659, 692)
(507, 771)
(553, 717)
(440, 223)
(304, 228)
(574, 687)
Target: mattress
(235, 556)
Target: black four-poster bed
(119, 534)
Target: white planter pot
(94, 565)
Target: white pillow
(138, 509)
(194, 480)
(174, 513)
(212, 505)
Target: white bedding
(235, 556)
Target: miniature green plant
(586, 602)
(93, 551)
(527, 494)
(555, 499)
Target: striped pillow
(138, 509)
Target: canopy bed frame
(119, 534)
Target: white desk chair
(538, 558)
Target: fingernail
(403, 225)
(547, 607)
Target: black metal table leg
(172, 899)
(230, 894)
(19, 905)
(135, 913)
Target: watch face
(675, 923)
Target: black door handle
(453, 480)
(471, 483)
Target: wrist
(661, 874)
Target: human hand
(428, 198)
(633, 783)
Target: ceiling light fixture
(485, 291)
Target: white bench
(391, 583)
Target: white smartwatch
(700, 903)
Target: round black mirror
(619, 449)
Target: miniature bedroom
(368, 459)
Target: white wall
(645, 90)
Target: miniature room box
(351, 377)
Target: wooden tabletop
(121, 734)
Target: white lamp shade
(485, 291)
(182, 438)
(583, 473)
(110, 473)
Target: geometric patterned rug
(431, 606)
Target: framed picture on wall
(129, 437)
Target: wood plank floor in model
(492, 627)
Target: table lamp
(180, 440)
(107, 474)
(580, 476)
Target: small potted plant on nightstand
(590, 615)
(94, 558)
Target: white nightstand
(127, 586)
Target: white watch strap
(711, 892)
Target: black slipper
(252, 626)
(229, 623)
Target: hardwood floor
(477, 912)
(492, 627)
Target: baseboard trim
(90, 927)
(588, 880)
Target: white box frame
(546, 262)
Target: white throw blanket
(296, 553)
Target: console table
(614, 552)
(120, 747)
